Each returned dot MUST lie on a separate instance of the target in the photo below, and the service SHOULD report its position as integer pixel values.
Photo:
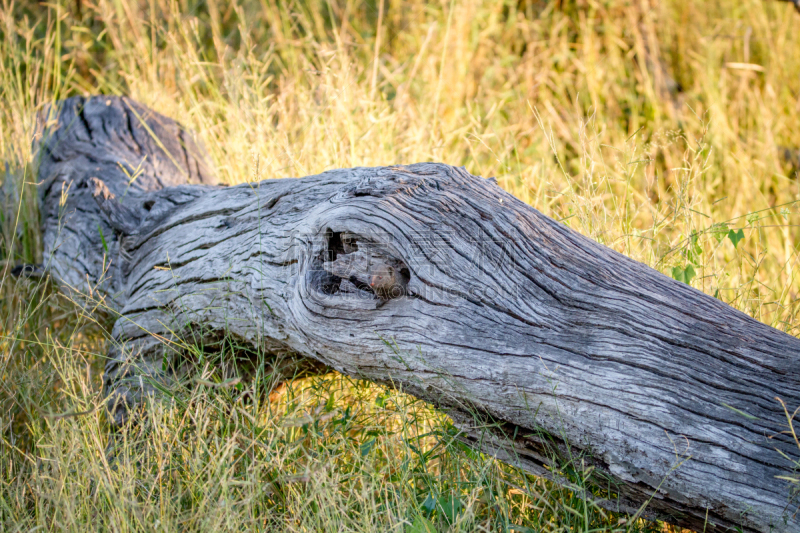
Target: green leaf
(719, 231)
(380, 401)
(693, 250)
(367, 447)
(688, 274)
(752, 218)
(421, 525)
(330, 404)
(102, 238)
(521, 529)
(684, 275)
(785, 213)
(429, 504)
(450, 506)
(736, 236)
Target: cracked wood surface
(133, 150)
(567, 347)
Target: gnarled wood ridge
(491, 309)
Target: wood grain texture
(565, 347)
(133, 150)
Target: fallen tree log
(492, 310)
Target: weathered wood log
(571, 348)
(134, 151)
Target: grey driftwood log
(569, 348)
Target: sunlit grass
(665, 130)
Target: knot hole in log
(358, 267)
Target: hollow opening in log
(336, 244)
(354, 265)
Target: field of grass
(663, 129)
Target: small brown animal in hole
(386, 281)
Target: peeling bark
(565, 347)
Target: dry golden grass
(656, 128)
